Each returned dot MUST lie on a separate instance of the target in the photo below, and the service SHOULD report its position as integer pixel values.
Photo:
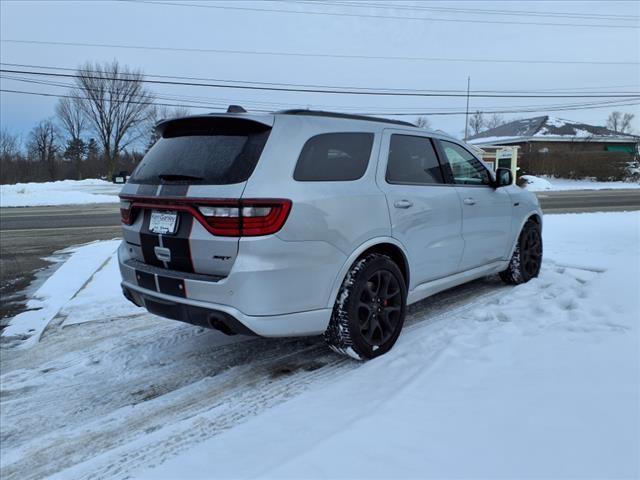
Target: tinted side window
(412, 160)
(466, 169)
(334, 157)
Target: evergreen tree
(75, 152)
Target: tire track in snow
(107, 429)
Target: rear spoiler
(215, 119)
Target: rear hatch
(184, 210)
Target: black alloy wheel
(531, 252)
(379, 308)
(370, 307)
(527, 256)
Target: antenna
(235, 109)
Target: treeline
(46, 156)
(104, 125)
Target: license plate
(163, 222)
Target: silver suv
(305, 223)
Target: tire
(370, 308)
(527, 257)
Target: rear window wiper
(174, 177)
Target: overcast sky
(425, 32)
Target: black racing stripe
(147, 190)
(179, 245)
(146, 280)
(171, 286)
(148, 242)
(174, 190)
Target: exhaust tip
(220, 325)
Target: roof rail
(321, 113)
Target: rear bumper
(269, 277)
(225, 318)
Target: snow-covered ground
(82, 286)
(539, 380)
(64, 192)
(537, 184)
(71, 192)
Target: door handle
(403, 204)
(469, 201)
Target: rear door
(486, 211)
(184, 195)
(425, 212)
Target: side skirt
(427, 289)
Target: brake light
(126, 213)
(246, 218)
(229, 218)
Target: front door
(486, 211)
(426, 215)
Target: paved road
(29, 234)
(589, 200)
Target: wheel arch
(384, 245)
(535, 216)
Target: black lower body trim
(199, 316)
(172, 286)
(146, 280)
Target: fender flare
(525, 219)
(344, 269)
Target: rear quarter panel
(341, 214)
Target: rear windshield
(211, 152)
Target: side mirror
(504, 177)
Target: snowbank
(536, 184)
(85, 287)
(542, 381)
(541, 183)
(64, 192)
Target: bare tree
(115, 103)
(494, 121)
(476, 122)
(159, 113)
(71, 116)
(423, 122)
(74, 123)
(620, 122)
(43, 145)
(9, 146)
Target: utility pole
(466, 116)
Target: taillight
(229, 218)
(246, 218)
(222, 219)
(126, 213)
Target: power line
(386, 17)
(511, 13)
(425, 113)
(320, 55)
(347, 87)
(209, 103)
(223, 103)
(322, 91)
(44, 94)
